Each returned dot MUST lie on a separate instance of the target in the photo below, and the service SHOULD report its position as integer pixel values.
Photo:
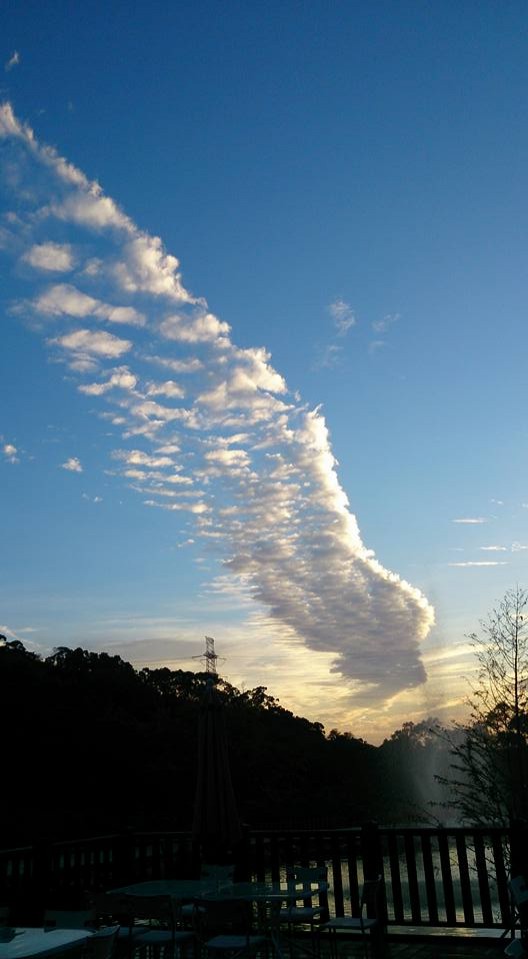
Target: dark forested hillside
(92, 745)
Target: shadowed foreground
(428, 947)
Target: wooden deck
(418, 946)
(424, 947)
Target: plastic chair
(231, 922)
(303, 879)
(158, 917)
(519, 897)
(370, 919)
(515, 950)
(221, 875)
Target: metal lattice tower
(209, 657)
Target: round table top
(189, 889)
(41, 942)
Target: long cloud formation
(204, 429)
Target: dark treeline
(91, 745)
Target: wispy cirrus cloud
(230, 448)
(12, 62)
(343, 316)
(330, 357)
(384, 324)
(480, 563)
(470, 520)
(381, 327)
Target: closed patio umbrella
(216, 824)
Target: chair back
(515, 950)
(519, 890)
(307, 877)
(312, 879)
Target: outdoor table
(181, 890)
(267, 894)
(185, 889)
(41, 942)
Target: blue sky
(343, 186)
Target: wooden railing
(433, 876)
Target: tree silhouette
(488, 776)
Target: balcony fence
(450, 877)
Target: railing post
(36, 894)
(123, 860)
(371, 851)
(372, 855)
(242, 857)
(518, 848)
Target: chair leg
(366, 952)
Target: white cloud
(10, 452)
(97, 343)
(494, 549)
(169, 389)
(204, 328)
(274, 509)
(169, 448)
(189, 365)
(343, 316)
(228, 457)
(162, 483)
(93, 266)
(87, 208)
(140, 458)
(10, 126)
(52, 257)
(66, 300)
(146, 267)
(73, 464)
(253, 371)
(196, 508)
(120, 378)
(470, 520)
(13, 61)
